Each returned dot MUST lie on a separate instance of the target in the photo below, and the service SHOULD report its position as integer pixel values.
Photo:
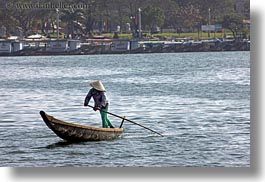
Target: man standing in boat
(98, 93)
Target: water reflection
(60, 144)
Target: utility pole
(140, 22)
(57, 11)
(209, 21)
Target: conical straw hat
(97, 85)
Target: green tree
(72, 17)
(247, 9)
(233, 22)
(170, 10)
(152, 16)
(201, 8)
(93, 14)
(190, 16)
(217, 9)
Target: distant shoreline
(163, 48)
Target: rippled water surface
(200, 102)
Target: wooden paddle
(129, 121)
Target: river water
(200, 102)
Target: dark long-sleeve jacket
(100, 98)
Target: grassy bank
(165, 35)
(196, 35)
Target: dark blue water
(200, 102)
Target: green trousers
(104, 117)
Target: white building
(5, 46)
(120, 45)
(74, 44)
(57, 46)
(9, 46)
(17, 46)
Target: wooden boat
(79, 133)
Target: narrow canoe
(79, 133)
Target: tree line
(88, 16)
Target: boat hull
(79, 133)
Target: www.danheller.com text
(48, 5)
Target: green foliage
(72, 17)
(152, 16)
(233, 22)
(106, 15)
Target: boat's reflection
(61, 144)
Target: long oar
(129, 121)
